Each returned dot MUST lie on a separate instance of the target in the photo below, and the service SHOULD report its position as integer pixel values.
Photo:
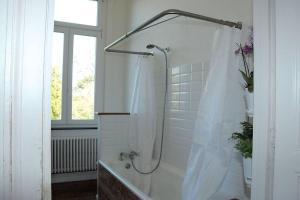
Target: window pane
(56, 75)
(77, 11)
(83, 78)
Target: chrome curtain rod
(148, 23)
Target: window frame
(84, 26)
(69, 30)
(64, 71)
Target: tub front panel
(165, 185)
(110, 188)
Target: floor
(79, 190)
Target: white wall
(115, 25)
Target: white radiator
(73, 154)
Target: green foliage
(244, 140)
(56, 93)
(248, 80)
(83, 99)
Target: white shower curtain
(143, 121)
(220, 111)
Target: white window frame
(69, 30)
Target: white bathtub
(165, 185)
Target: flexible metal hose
(163, 121)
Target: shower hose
(163, 122)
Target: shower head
(151, 46)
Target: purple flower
(248, 46)
(248, 49)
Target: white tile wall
(185, 86)
(113, 136)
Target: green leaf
(244, 140)
(245, 77)
(248, 80)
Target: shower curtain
(143, 122)
(220, 111)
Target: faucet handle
(123, 156)
(133, 154)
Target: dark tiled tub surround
(110, 187)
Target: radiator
(73, 154)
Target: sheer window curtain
(220, 111)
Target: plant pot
(249, 97)
(247, 163)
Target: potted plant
(246, 52)
(243, 143)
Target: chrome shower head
(151, 46)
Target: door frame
(25, 58)
(264, 99)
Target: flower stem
(247, 71)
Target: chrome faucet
(132, 155)
(125, 156)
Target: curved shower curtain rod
(148, 23)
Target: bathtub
(165, 185)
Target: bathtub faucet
(133, 154)
(125, 156)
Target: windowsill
(74, 126)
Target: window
(75, 63)
(83, 77)
(77, 11)
(56, 74)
